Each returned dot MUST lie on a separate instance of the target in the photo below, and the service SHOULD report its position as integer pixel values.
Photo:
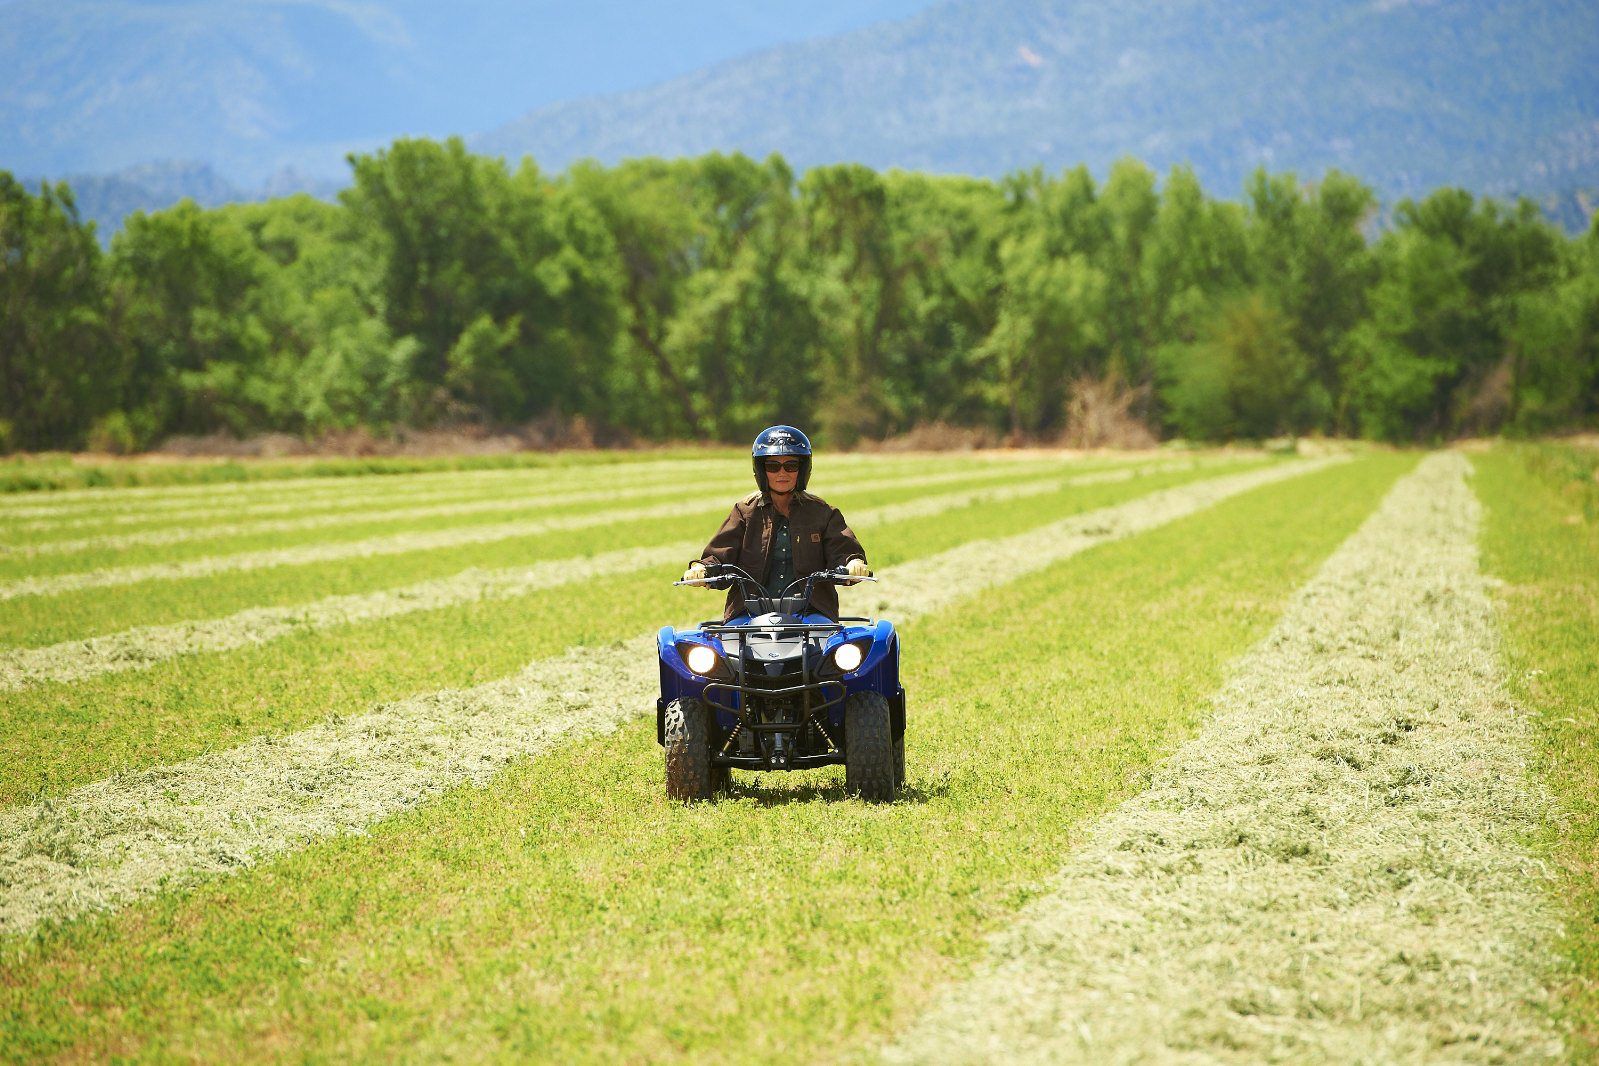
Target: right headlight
(847, 657)
(702, 660)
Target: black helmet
(781, 440)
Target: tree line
(705, 298)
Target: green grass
(508, 505)
(37, 620)
(192, 704)
(1542, 539)
(568, 911)
(56, 471)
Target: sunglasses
(790, 465)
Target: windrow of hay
(366, 547)
(37, 505)
(461, 508)
(119, 839)
(1335, 869)
(144, 646)
(345, 494)
(244, 494)
(237, 510)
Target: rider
(782, 532)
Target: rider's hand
(695, 572)
(857, 568)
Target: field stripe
(1335, 869)
(119, 839)
(41, 504)
(144, 646)
(362, 495)
(462, 508)
(157, 500)
(367, 547)
(344, 502)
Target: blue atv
(781, 687)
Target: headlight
(848, 656)
(701, 660)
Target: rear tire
(869, 748)
(688, 751)
(899, 761)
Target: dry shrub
(1488, 406)
(1100, 414)
(936, 436)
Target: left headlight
(847, 657)
(701, 659)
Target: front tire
(869, 747)
(688, 751)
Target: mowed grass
(192, 704)
(112, 511)
(69, 615)
(568, 911)
(59, 473)
(1542, 539)
(501, 504)
(217, 517)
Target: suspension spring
(817, 722)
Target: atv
(780, 687)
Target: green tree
(54, 352)
(1244, 377)
(189, 293)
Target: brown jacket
(821, 540)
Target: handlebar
(722, 575)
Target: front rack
(816, 693)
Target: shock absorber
(739, 725)
(822, 729)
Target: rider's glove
(695, 572)
(858, 568)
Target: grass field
(321, 768)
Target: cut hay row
(234, 495)
(120, 839)
(354, 493)
(328, 492)
(460, 509)
(360, 496)
(144, 646)
(34, 505)
(1334, 870)
(382, 544)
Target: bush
(113, 434)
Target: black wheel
(688, 751)
(899, 761)
(869, 747)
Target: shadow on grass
(914, 792)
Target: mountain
(107, 199)
(1499, 97)
(250, 87)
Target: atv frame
(776, 697)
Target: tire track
(115, 841)
(1333, 870)
(144, 646)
